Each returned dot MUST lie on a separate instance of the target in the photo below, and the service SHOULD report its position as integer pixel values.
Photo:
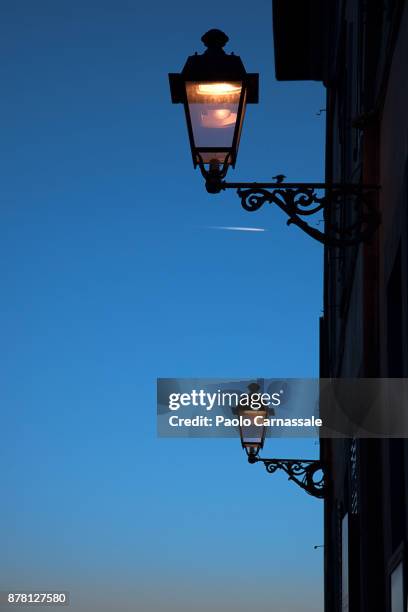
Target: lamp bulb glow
(218, 89)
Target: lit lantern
(252, 431)
(214, 88)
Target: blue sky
(111, 277)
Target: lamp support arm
(350, 212)
(301, 471)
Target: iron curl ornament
(310, 475)
(350, 213)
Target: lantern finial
(215, 40)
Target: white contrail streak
(238, 229)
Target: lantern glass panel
(253, 436)
(213, 109)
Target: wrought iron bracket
(303, 472)
(349, 211)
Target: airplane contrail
(238, 229)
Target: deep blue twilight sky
(111, 277)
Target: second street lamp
(309, 474)
(215, 88)
(252, 434)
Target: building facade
(359, 50)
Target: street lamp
(309, 474)
(215, 88)
(252, 434)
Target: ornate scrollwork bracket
(357, 224)
(349, 211)
(310, 475)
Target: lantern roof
(213, 65)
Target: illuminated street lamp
(252, 428)
(309, 474)
(215, 88)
